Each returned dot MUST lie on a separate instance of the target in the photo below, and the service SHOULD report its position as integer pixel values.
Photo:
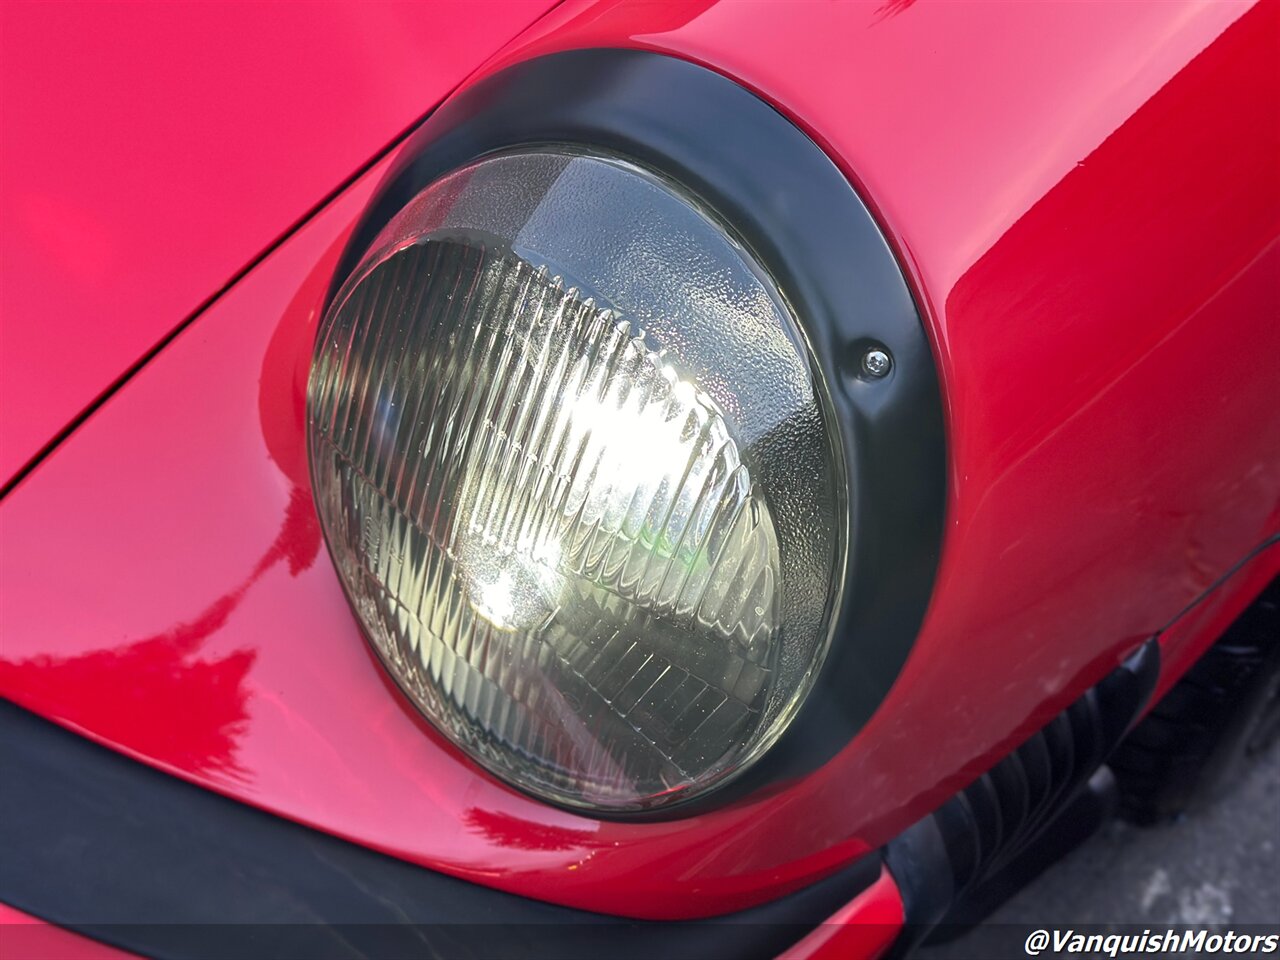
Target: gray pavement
(1218, 866)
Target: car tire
(1191, 747)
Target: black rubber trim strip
(111, 848)
(955, 865)
(811, 231)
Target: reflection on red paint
(201, 698)
(891, 8)
(506, 830)
(299, 540)
(286, 364)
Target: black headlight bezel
(807, 225)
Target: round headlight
(579, 475)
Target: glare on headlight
(579, 479)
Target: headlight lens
(579, 477)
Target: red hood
(150, 153)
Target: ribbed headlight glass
(578, 474)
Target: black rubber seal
(808, 227)
(956, 865)
(107, 846)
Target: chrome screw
(876, 363)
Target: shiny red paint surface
(865, 928)
(150, 151)
(23, 937)
(1086, 201)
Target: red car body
(1085, 201)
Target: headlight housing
(622, 259)
(581, 479)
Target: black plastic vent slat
(992, 834)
